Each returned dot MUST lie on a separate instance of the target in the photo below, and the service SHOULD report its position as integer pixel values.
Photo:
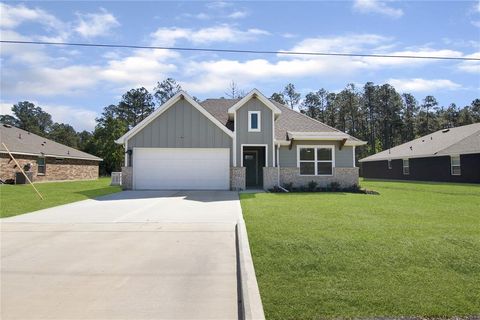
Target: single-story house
(47, 160)
(451, 155)
(235, 144)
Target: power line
(104, 45)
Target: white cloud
(13, 16)
(377, 6)
(471, 66)
(219, 4)
(237, 14)
(91, 25)
(221, 33)
(78, 118)
(6, 108)
(344, 44)
(423, 85)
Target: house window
(406, 167)
(316, 160)
(42, 166)
(455, 165)
(254, 121)
(389, 164)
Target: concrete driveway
(131, 255)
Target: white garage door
(181, 169)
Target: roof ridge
(458, 141)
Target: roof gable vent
(445, 130)
(7, 125)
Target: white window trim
(459, 165)
(315, 147)
(389, 164)
(259, 122)
(403, 167)
(44, 165)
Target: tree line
(377, 114)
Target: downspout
(278, 170)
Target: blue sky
(74, 84)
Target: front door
(250, 162)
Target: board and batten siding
(181, 126)
(265, 136)
(343, 158)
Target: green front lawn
(413, 250)
(18, 199)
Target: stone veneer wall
(61, 169)
(127, 178)
(237, 178)
(345, 176)
(270, 177)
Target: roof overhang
(426, 155)
(325, 136)
(177, 97)
(255, 93)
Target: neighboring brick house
(49, 160)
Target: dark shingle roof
(21, 141)
(453, 141)
(289, 120)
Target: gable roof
(19, 141)
(180, 95)
(290, 121)
(253, 94)
(453, 141)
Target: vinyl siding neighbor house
(449, 155)
(235, 144)
(47, 159)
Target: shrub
(334, 186)
(288, 186)
(312, 186)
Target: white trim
(315, 161)
(254, 94)
(354, 156)
(234, 142)
(408, 166)
(259, 121)
(389, 164)
(50, 155)
(413, 156)
(125, 153)
(459, 165)
(327, 136)
(273, 141)
(165, 107)
(253, 145)
(44, 166)
(278, 165)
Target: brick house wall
(56, 169)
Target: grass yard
(18, 199)
(413, 250)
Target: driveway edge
(248, 286)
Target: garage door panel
(173, 168)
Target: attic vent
(411, 148)
(7, 125)
(19, 136)
(445, 130)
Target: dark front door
(250, 162)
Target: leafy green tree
(165, 90)
(278, 97)
(85, 142)
(410, 110)
(425, 123)
(292, 97)
(64, 134)
(32, 118)
(104, 146)
(389, 104)
(135, 106)
(8, 119)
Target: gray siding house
(234, 144)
